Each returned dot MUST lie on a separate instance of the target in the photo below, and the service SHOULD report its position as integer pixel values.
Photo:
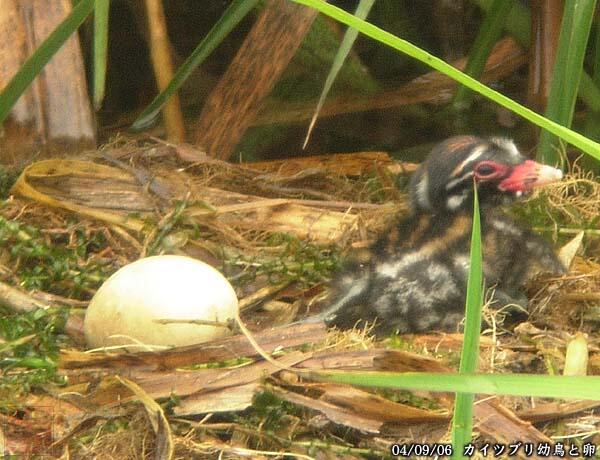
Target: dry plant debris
(221, 400)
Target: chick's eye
(485, 170)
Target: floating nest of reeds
(277, 230)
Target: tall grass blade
(362, 10)
(572, 44)
(226, 23)
(462, 421)
(534, 385)
(101, 10)
(36, 62)
(587, 145)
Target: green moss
(409, 398)
(539, 214)
(55, 263)
(292, 260)
(29, 354)
(269, 412)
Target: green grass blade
(587, 145)
(101, 10)
(362, 10)
(36, 62)
(572, 44)
(543, 386)
(462, 421)
(470, 349)
(592, 121)
(488, 34)
(226, 23)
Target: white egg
(125, 308)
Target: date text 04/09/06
(424, 450)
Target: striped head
(444, 182)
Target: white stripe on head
(450, 185)
(473, 156)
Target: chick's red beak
(529, 175)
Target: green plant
(462, 422)
(292, 260)
(29, 354)
(53, 266)
(34, 65)
(572, 45)
(269, 409)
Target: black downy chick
(415, 278)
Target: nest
(277, 230)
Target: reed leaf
(572, 44)
(36, 62)
(532, 385)
(462, 421)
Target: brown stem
(160, 51)
(546, 16)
